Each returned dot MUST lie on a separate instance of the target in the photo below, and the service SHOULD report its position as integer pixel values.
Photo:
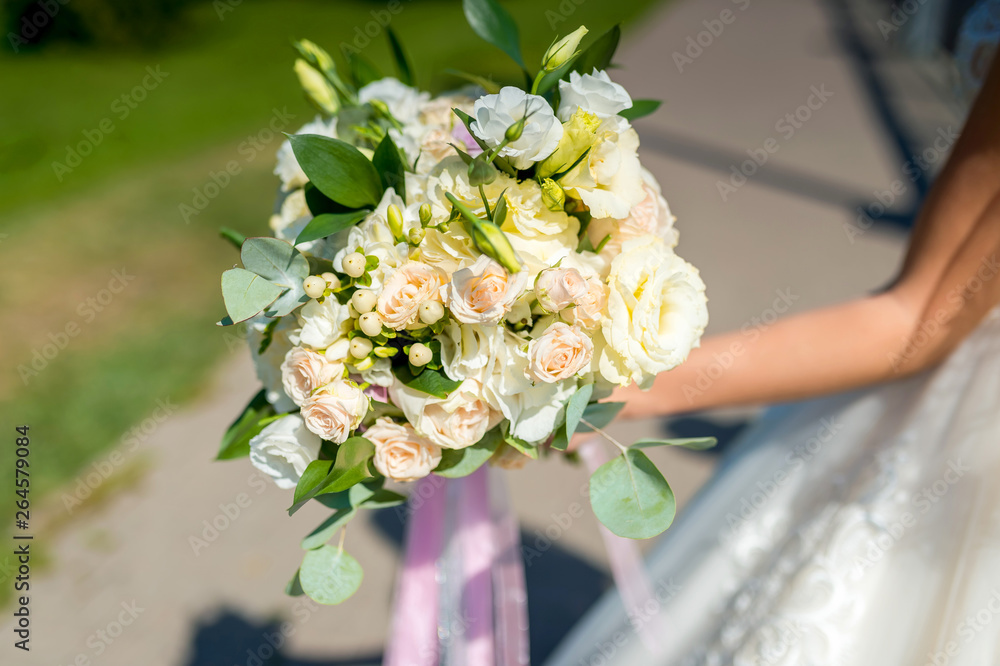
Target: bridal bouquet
(455, 281)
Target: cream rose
(455, 422)
(609, 180)
(656, 312)
(558, 288)
(323, 324)
(589, 310)
(484, 292)
(304, 371)
(559, 353)
(283, 450)
(400, 453)
(335, 410)
(402, 293)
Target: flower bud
(513, 132)
(363, 301)
(492, 241)
(316, 56)
(430, 312)
(563, 50)
(370, 324)
(416, 236)
(385, 352)
(381, 109)
(338, 351)
(553, 195)
(361, 347)
(364, 364)
(395, 218)
(314, 286)
(420, 355)
(317, 88)
(425, 214)
(332, 281)
(354, 264)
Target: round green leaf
(631, 497)
(245, 293)
(329, 575)
(281, 264)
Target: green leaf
(281, 264)
(327, 528)
(600, 52)
(530, 450)
(246, 294)
(640, 108)
(434, 382)
(382, 499)
(313, 475)
(328, 224)
(363, 70)
(402, 62)
(550, 79)
(481, 172)
(233, 236)
(338, 170)
(350, 467)
(631, 497)
(329, 575)
(693, 443)
(294, 587)
(499, 162)
(492, 22)
(490, 86)
(236, 441)
(600, 414)
(456, 463)
(391, 167)
(575, 407)
(319, 203)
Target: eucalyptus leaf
(399, 55)
(391, 167)
(631, 497)
(338, 170)
(329, 575)
(575, 407)
(492, 22)
(433, 382)
(328, 224)
(294, 587)
(693, 443)
(640, 108)
(325, 531)
(281, 264)
(245, 293)
(457, 463)
(382, 499)
(236, 441)
(530, 450)
(600, 52)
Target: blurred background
(133, 130)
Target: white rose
(323, 324)
(649, 217)
(590, 308)
(455, 422)
(402, 101)
(469, 350)
(484, 292)
(400, 453)
(283, 450)
(335, 410)
(558, 288)
(609, 180)
(495, 113)
(402, 293)
(268, 364)
(304, 371)
(559, 353)
(595, 93)
(448, 251)
(656, 312)
(288, 169)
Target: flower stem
(604, 435)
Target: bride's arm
(948, 282)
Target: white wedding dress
(861, 529)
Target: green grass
(60, 240)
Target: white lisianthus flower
(288, 169)
(323, 324)
(494, 114)
(455, 422)
(656, 312)
(268, 364)
(304, 371)
(283, 450)
(400, 453)
(470, 350)
(335, 410)
(595, 93)
(609, 179)
(484, 292)
(559, 288)
(560, 352)
(405, 289)
(402, 101)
